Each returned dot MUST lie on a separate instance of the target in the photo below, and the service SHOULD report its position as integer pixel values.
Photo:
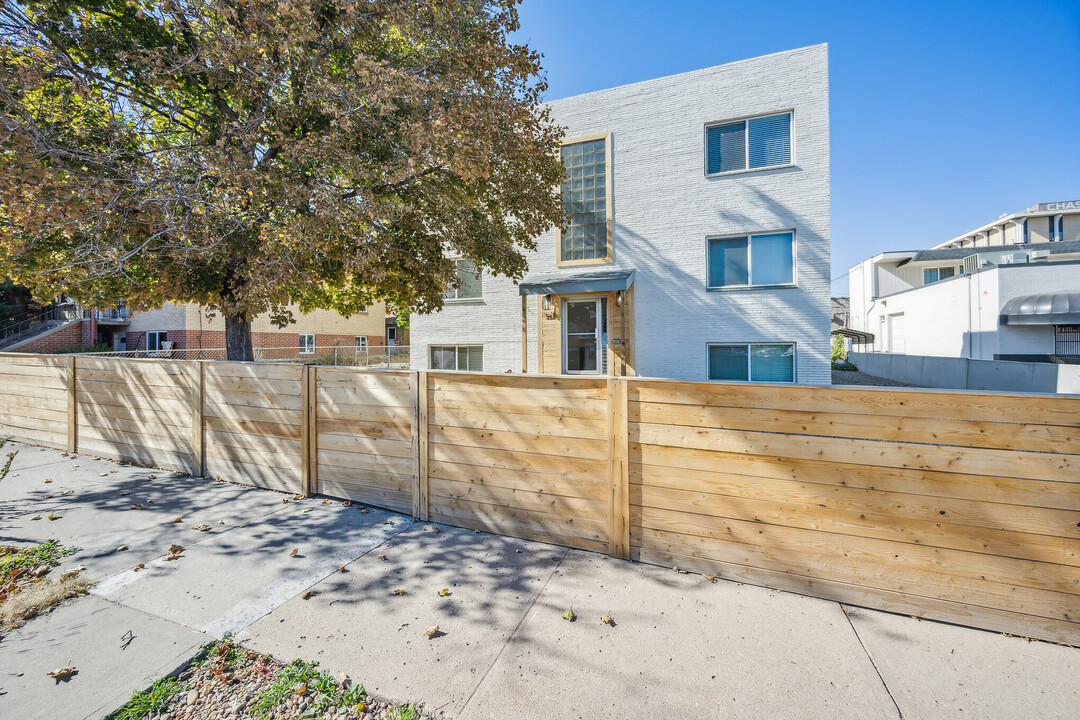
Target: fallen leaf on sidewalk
(346, 503)
(294, 552)
(306, 595)
(297, 497)
(381, 557)
(48, 480)
(36, 517)
(679, 570)
(569, 616)
(388, 521)
(341, 569)
(135, 506)
(710, 578)
(607, 619)
(302, 689)
(284, 500)
(103, 474)
(399, 591)
(445, 592)
(124, 492)
(201, 527)
(327, 501)
(122, 548)
(140, 566)
(433, 632)
(54, 516)
(178, 520)
(434, 529)
(67, 492)
(63, 673)
(364, 511)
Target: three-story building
(698, 241)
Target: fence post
(309, 434)
(73, 408)
(198, 437)
(420, 445)
(618, 470)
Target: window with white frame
(361, 342)
(751, 260)
(457, 357)
(307, 344)
(469, 284)
(751, 144)
(756, 362)
(155, 338)
(932, 275)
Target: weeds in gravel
(25, 590)
(405, 712)
(15, 559)
(300, 677)
(148, 702)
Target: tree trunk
(238, 338)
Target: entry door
(581, 336)
(897, 333)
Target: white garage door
(897, 341)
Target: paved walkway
(680, 647)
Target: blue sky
(944, 115)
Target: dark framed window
(751, 144)
(754, 362)
(767, 259)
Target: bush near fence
(956, 506)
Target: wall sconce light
(547, 302)
(618, 299)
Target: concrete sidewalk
(680, 647)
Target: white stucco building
(1009, 290)
(699, 242)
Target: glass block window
(585, 200)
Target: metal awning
(858, 336)
(1061, 308)
(586, 281)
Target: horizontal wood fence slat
(957, 506)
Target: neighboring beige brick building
(193, 327)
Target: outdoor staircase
(18, 330)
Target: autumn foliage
(248, 154)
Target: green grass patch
(299, 677)
(148, 702)
(15, 559)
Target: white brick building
(1009, 290)
(699, 246)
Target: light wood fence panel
(136, 410)
(252, 418)
(34, 398)
(956, 506)
(962, 507)
(521, 456)
(365, 446)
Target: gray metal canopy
(586, 281)
(1061, 308)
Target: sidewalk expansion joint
(847, 616)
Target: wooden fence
(955, 506)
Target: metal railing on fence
(395, 357)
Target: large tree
(250, 154)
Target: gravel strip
(856, 377)
(229, 682)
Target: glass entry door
(581, 336)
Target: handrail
(17, 330)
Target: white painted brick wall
(664, 208)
